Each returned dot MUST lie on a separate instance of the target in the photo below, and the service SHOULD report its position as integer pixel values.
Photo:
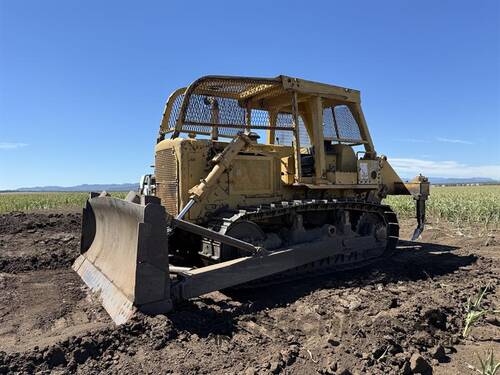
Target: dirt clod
(54, 356)
(419, 365)
(406, 368)
(344, 371)
(439, 353)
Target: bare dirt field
(401, 316)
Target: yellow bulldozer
(257, 181)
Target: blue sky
(83, 83)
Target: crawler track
(264, 214)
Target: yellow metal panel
(288, 170)
(350, 178)
(252, 175)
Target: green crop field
(459, 204)
(44, 201)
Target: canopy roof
(233, 104)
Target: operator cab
(318, 125)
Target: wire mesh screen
(285, 137)
(220, 103)
(175, 111)
(329, 131)
(339, 124)
(217, 111)
(236, 88)
(260, 118)
(220, 106)
(347, 126)
(224, 113)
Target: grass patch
(459, 204)
(489, 366)
(474, 311)
(44, 201)
(456, 204)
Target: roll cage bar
(223, 106)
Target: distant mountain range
(459, 181)
(84, 188)
(135, 186)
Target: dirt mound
(401, 316)
(33, 241)
(103, 345)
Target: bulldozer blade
(124, 256)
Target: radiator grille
(167, 180)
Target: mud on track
(399, 316)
